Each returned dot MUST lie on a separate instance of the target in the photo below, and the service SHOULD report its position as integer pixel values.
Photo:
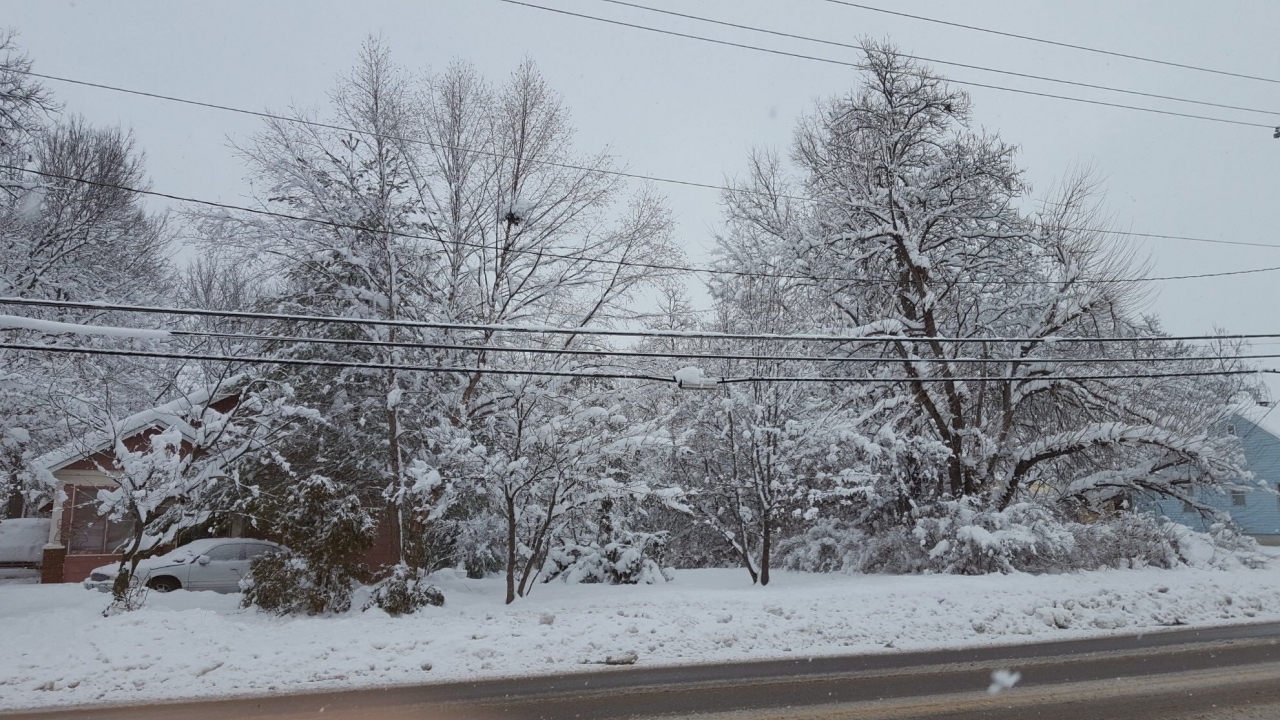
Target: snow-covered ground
(58, 649)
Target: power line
(987, 379)
(567, 166)
(831, 61)
(324, 363)
(608, 376)
(368, 133)
(645, 354)
(1071, 46)
(1012, 73)
(607, 332)
(665, 267)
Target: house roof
(1262, 416)
(162, 416)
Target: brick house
(81, 539)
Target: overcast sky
(684, 109)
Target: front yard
(59, 650)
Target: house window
(1188, 507)
(92, 533)
(1237, 498)
(1231, 429)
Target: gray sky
(679, 108)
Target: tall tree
(911, 227)
(448, 201)
(67, 240)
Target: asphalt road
(1230, 673)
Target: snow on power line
(50, 327)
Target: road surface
(1230, 673)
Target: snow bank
(22, 540)
(59, 650)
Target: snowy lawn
(57, 648)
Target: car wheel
(165, 584)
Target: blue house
(1256, 511)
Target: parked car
(215, 564)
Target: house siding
(1259, 515)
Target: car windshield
(191, 549)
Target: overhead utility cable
(164, 333)
(1084, 48)
(666, 267)
(831, 61)
(1000, 71)
(611, 376)
(609, 332)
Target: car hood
(147, 565)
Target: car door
(222, 572)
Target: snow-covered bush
(960, 538)
(1222, 547)
(829, 545)
(892, 552)
(326, 527)
(403, 592)
(630, 561)
(1125, 540)
(957, 537)
(689, 545)
(286, 584)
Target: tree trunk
(746, 561)
(765, 544)
(14, 504)
(393, 447)
(511, 550)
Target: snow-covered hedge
(958, 537)
(626, 562)
(286, 584)
(404, 591)
(829, 545)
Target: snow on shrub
(829, 545)
(403, 592)
(285, 584)
(326, 527)
(1222, 547)
(626, 562)
(958, 537)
